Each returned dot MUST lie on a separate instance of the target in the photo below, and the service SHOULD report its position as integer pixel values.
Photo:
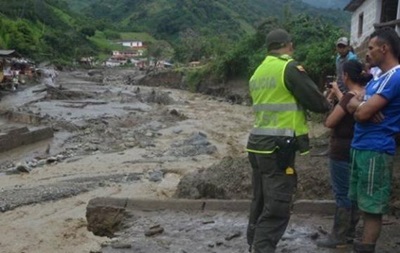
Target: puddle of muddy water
(32, 151)
(201, 232)
(208, 232)
(62, 110)
(22, 97)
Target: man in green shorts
(378, 120)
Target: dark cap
(277, 38)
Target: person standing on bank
(281, 91)
(342, 122)
(344, 54)
(377, 115)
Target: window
(360, 24)
(389, 10)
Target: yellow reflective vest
(276, 110)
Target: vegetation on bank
(201, 29)
(44, 29)
(314, 42)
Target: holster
(286, 151)
(303, 143)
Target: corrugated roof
(353, 5)
(6, 52)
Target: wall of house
(371, 10)
(132, 44)
(398, 17)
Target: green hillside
(66, 30)
(333, 4)
(200, 29)
(79, 5)
(43, 29)
(167, 19)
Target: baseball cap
(277, 36)
(342, 41)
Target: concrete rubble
(13, 137)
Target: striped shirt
(379, 137)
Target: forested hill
(68, 30)
(168, 18)
(332, 4)
(44, 29)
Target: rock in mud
(155, 230)
(233, 235)
(23, 168)
(4, 206)
(121, 245)
(196, 144)
(18, 169)
(228, 179)
(156, 176)
(104, 219)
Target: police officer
(281, 91)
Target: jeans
(340, 177)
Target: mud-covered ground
(221, 232)
(118, 135)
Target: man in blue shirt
(344, 54)
(378, 120)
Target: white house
(367, 15)
(115, 63)
(133, 44)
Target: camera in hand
(329, 80)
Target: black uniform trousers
(273, 189)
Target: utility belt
(283, 147)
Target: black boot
(359, 247)
(338, 237)
(250, 235)
(353, 233)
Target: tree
(159, 50)
(314, 42)
(88, 31)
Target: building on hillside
(115, 63)
(368, 15)
(9, 54)
(14, 69)
(131, 43)
(136, 46)
(117, 60)
(87, 61)
(132, 56)
(130, 53)
(194, 63)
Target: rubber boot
(341, 225)
(359, 247)
(250, 235)
(353, 233)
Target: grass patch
(137, 36)
(194, 76)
